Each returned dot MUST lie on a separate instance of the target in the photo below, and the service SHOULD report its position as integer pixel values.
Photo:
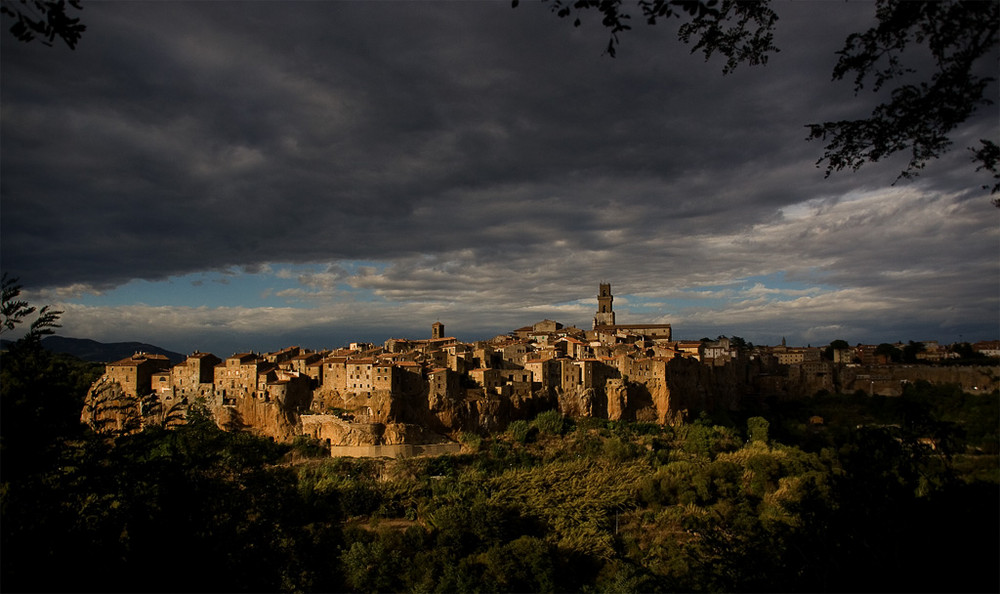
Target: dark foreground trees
(594, 506)
(192, 509)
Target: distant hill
(105, 352)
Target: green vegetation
(554, 504)
(830, 493)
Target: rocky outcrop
(687, 385)
(335, 431)
(617, 397)
(109, 409)
(375, 406)
(693, 386)
(577, 403)
(476, 412)
(258, 416)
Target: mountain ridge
(103, 352)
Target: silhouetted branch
(46, 19)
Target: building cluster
(375, 384)
(928, 351)
(545, 356)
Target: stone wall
(889, 380)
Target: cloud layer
(471, 163)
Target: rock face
(264, 418)
(338, 432)
(693, 386)
(687, 385)
(108, 408)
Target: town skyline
(322, 338)
(418, 390)
(233, 176)
(437, 383)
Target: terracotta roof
(612, 328)
(138, 358)
(444, 339)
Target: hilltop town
(412, 396)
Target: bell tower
(437, 330)
(605, 313)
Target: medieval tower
(605, 315)
(437, 330)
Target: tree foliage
(889, 351)
(44, 19)
(742, 32)
(15, 311)
(920, 114)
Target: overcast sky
(246, 176)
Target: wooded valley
(823, 493)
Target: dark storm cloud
(210, 134)
(480, 152)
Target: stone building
(515, 353)
(489, 378)
(543, 371)
(443, 384)
(194, 377)
(334, 373)
(607, 331)
(135, 373)
(718, 352)
(304, 363)
(238, 376)
(359, 375)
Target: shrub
(551, 422)
(308, 446)
(522, 431)
(474, 441)
(757, 429)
